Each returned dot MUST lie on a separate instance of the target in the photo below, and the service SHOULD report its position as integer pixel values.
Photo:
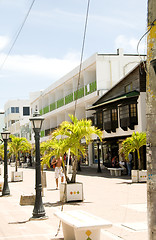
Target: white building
(16, 120)
(1, 122)
(98, 74)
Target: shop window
(114, 115)
(107, 120)
(133, 110)
(99, 119)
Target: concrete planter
(1, 185)
(143, 176)
(43, 179)
(139, 176)
(16, 176)
(27, 200)
(24, 165)
(12, 164)
(71, 192)
(135, 175)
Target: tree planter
(135, 175)
(1, 185)
(139, 176)
(71, 192)
(12, 164)
(143, 176)
(16, 176)
(24, 165)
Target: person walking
(58, 169)
(129, 164)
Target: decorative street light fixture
(98, 151)
(38, 211)
(5, 136)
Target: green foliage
(18, 145)
(2, 151)
(132, 144)
(69, 136)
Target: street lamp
(98, 149)
(5, 136)
(36, 121)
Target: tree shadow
(59, 203)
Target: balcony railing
(89, 88)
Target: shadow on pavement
(90, 171)
(57, 204)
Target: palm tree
(135, 142)
(2, 151)
(71, 135)
(18, 145)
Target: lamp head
(36, 121)
(5, 134)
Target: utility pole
(151, 121)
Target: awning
(121, 97)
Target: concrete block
(27, 200)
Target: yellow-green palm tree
(18, 145)
(135, 142)
(2, 151)
(71, 135)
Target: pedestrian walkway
(115, 199)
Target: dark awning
(118, 98)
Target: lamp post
(98, 149)
(5, 135)
(38, 211)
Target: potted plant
(16, 146)
(132, 144)
(69, 135)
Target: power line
(17, 35)
(82, 51)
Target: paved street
(113, 198)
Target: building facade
(1, 122)
(16, 119)
(119, 113)
(74, 93)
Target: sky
(50, 42)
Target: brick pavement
(113, 198)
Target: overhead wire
(82, 51)
(17, 35)
(79, 75)
(151, 26)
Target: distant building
(17, 114)
(1, 122)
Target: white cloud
(130, 44)
(3, 42)
(38, 65)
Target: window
(124, 112)
(26, 111)
(114, 115)
(128, 88)
(133, 110)
(106, 116)
(14, 109)
(99, 117)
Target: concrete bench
(115, 171)
(24, 165)
(81, 225)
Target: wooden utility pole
(151, 121)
